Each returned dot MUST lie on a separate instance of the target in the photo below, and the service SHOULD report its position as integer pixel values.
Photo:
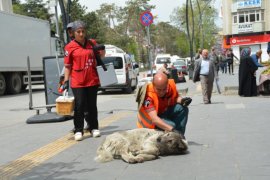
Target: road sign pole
(146, 19)
(149, 50)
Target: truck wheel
(14, 83)
(2, 84)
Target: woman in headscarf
(80, 67)
(247, 78)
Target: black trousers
(85, 101)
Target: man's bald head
(160, 82)
(160, 78)
(205, 53)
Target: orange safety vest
(144, 120)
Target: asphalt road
(228, 139)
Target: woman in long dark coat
(247, 78)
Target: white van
(124, 70)
(161, 59)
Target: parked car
(180, 66)
(161, 59)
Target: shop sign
(242, 40)
(247, 27)
(249, 4)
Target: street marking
(35, 158)
(235, 106)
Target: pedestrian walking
(215, 58)
(204, 71)
(230, 59)
(223, 62)
(247, 78)
(80, 68)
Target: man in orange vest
(162, 107)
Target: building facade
(246, 23)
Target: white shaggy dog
(139, 145)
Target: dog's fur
(139, 145)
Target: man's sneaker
(78, 136)
(95, 133)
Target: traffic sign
(146, 18)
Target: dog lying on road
(139, 145)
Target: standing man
(229, 56)
(204, 71)
(163, 108)
(214, 57)
(256, 57)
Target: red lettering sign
(241, 40)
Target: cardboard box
(65, 105)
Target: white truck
(126, 73)
(20, 37)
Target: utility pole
(190, 37)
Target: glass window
(235, 19)
(251, 17)
(163, 60)
(257, 17)
(247, 18)
(116, 61)
(241, 18)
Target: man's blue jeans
(176, 116)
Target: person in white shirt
(204, 71)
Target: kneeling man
(163, 108)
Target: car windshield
(116, 61)
(179, 63)
(163, 60)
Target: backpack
(140, 95)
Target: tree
(204, 17)
(167, 38)
(32, 8)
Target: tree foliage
(121, 26)
(204, 25)
(32, 8)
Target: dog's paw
(132, 161)
(139, 159)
